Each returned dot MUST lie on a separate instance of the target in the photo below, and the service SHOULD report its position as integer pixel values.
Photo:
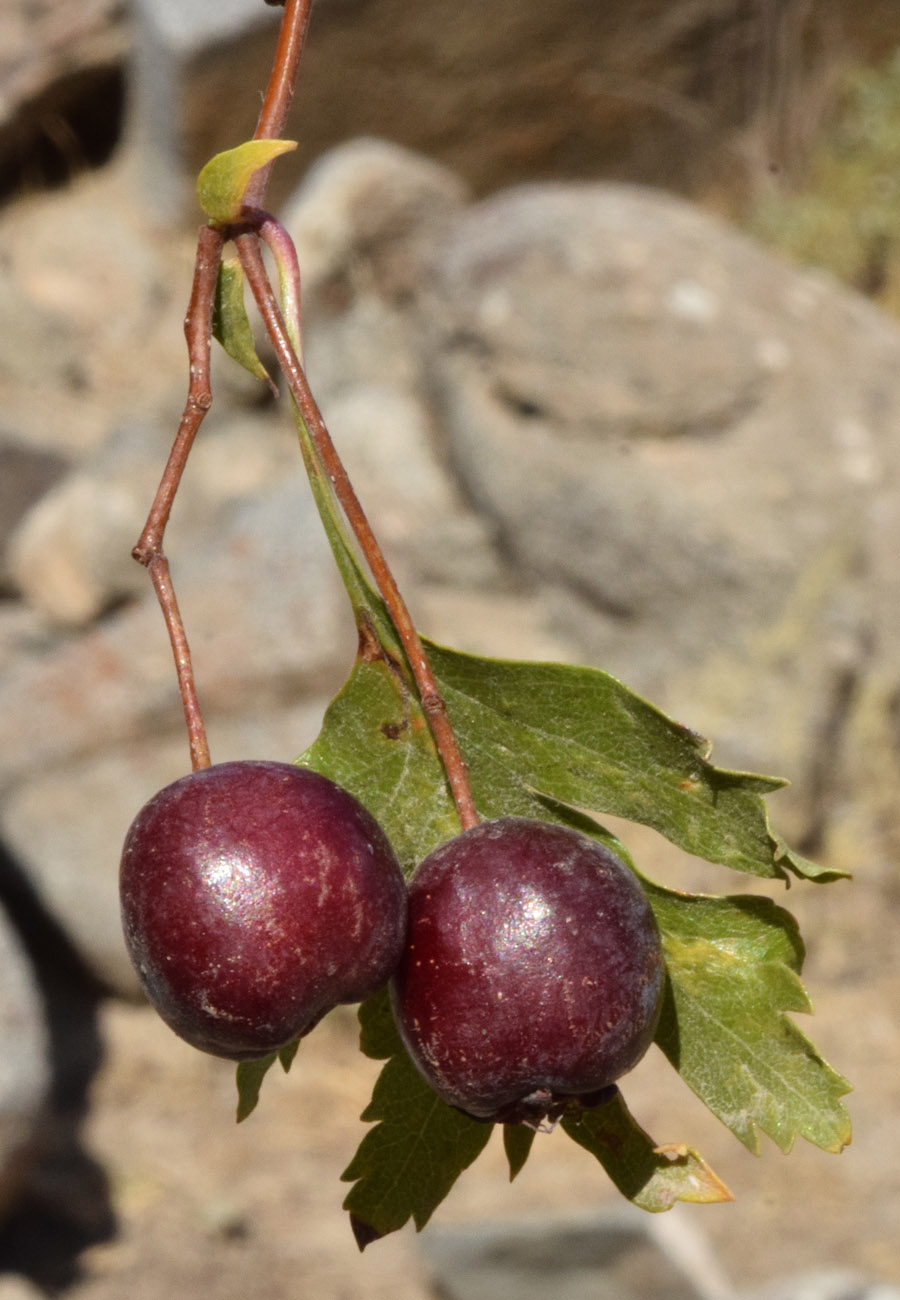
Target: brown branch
(149, 549)
(432, 701)
(280, 91)
(198, 331)
(161, 578)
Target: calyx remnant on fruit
(533, 972)
(255, 897)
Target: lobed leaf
(577, 735)
(376, 743)
(517, 1142)
(653, 1177)
(419, 1145)
(548, 741)
(250, 1075)
(733, 972)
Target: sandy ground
(205, 1207)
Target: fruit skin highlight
(533, 971)
(255, 897)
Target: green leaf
(734, 971)
(250, 1075)
(548, 741)
(653, 1177)
(530, 731)
(419, 1145)
(552, 741)
(223, 182)
(532, 735)
(376, 743)
(517, 1142)
(230, 323)
(536, 735)
(378, 1036)
(287, 1054)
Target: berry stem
(198, 332)
(247, 246)
(286, 340)
(149, 548)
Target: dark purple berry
(255, 897)
(533, 972)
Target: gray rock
(34, 353)
(184, 56)
(266, 616)
(386, 440)
(363, 212)
(24, 1064)
(688, 443)
(70, 558)
(825, 1284)
(610, 1254)
(14, 1287)
(361, 220)
(22, 634)
(89, 322)
(26, 473)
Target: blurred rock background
(595, 414)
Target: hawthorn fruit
(533, 973)
(255, 897)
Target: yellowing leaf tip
(223, 181)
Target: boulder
(52, 58)
(24, 1062)
(91, 321)
(559, 88)
(70, 557)
(691, 446)
(26, 473)
(609, 1252)
(826, 1284)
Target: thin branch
(149, 549)
(280, 91)
(197, 332)
(432, 701)
(161, 578)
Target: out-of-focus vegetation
(845, 215)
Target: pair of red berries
(524, 961)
